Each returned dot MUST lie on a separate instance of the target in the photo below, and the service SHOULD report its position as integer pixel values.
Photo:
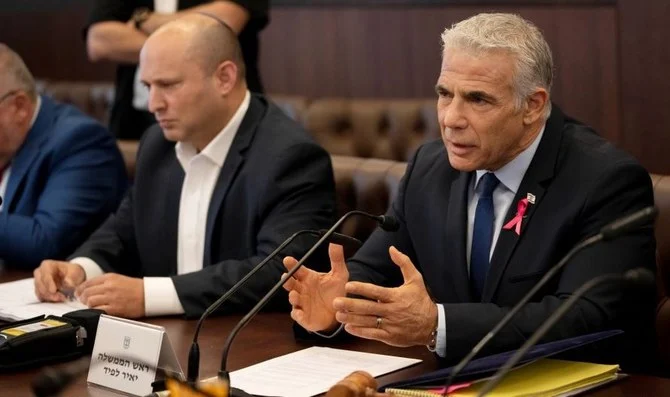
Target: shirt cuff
(160, 297)
(441, 338)
(91, 269)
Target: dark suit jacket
(66, 178)
(275, 181)
(581, 182)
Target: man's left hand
(117, 295)
(402, 316)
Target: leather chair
(93, 98)
(662, 199)
(364, 184)
(389, 129)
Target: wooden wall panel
(645, 81)
(395, 52)
(51, 43)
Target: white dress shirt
(201, 174)
(4, 178)
(510, 176)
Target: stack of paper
(311, 371)
(542, 378)
(18, 302)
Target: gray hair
(507, 32)
(14, 73)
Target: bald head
(204, 39)
(14, 74)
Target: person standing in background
(117, 30)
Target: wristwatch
(432, 344)
(140, 16)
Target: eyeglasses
(8, 95)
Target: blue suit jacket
(66, 178)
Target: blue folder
(489, 364)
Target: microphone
(387, 223)
(640, 277)
(193, 368)
(607, 232)
(51, 381)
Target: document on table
(18, 302)
(312, 371)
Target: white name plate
(127, 353)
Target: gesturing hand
(311, 293)
(402, 316)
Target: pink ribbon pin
(515, 223)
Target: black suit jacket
(581, 182)
(275, 181)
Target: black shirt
(126, 122)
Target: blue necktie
(482, 233)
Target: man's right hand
(52, 277)
(311, 293)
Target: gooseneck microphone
(607, 232)
(386, 222)
(640, 277)
(51, 381)
(193, 368)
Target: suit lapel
(231, 166)
(29, 151)
(535, 181)
(175, 175)
(455, 240)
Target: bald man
(117, 29)
(61, 173)
(221, 181)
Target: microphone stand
(633, 275)
(193, 369)
(387, 223)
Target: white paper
(17, 293)
(19, 302)
(312, 371)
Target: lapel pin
(530, 197)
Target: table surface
(270, 335)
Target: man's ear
(225, 77)
(535, 105)
(23, 102)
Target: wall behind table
(48, 35)
(393, 51)
(610, 54)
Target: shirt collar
(217, 149)
(511, 174)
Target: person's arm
(114, 41)
(298, 193)
(621, 190)
(230, 12)
(83, 186)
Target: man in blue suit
(61, 173)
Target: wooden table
(270, 335)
